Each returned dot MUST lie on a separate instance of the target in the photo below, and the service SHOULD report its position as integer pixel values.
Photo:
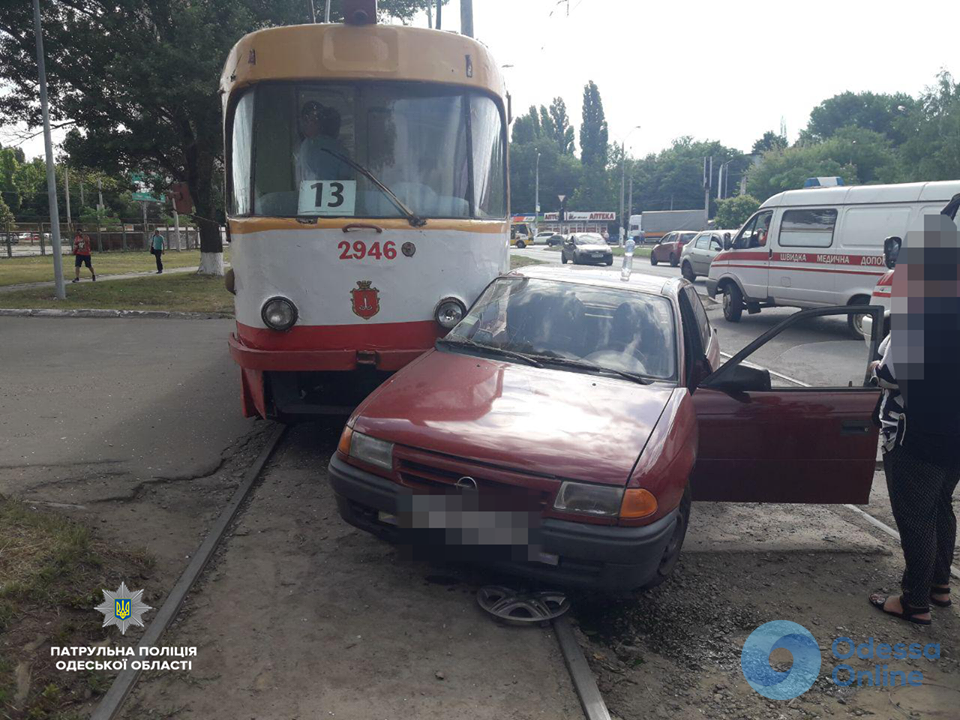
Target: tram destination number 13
(328, 197)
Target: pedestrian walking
(156, 247)
(81, 254)
(919, 416)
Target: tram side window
(242, 137)
(489, 178)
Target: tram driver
(320, 129)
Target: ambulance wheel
(653, 259)
(732, 303)
(671, 553)
(687, 271)
(855, 322)
(673, 260)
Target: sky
(726, 71)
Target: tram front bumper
(319, 360)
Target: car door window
(700, 315)
(746, 232)
(715, 244)
(702, 242)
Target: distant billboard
(582, 217)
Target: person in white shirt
(316, 159)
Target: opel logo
(467, 483)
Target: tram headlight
(279, 314)
(449, 312)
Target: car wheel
(687, 271)
(673, 259)
(576, 260)
(521, 244)
(653, 259)
(732, 303)
(855, 322)
(671, 552)
(610, 261)
(563, 257)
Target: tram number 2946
(358, 250)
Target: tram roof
(369, 52)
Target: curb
(92, 313)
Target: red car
(563, 427)
(670, 247)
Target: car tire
(610, 261)
(521, 244)
(671, 553)
(563, 257)
(855, 322)
(653, 259)
(732, 303)
(576, 260)
(673, 260)
(687, 271)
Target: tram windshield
(338, 150)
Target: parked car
(696, 256)
(542, 238)
(582, 248)
(555, 240)
(579, 415)
(670, 247)
(820, 247)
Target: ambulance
(819, 246)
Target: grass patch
(39, 268)
(52, 571)
(180, 293)
(517, 261)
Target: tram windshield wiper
(473, 344)
(585, 365)
(414, 219)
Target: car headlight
(449, 312)
(279, 314)
(368, 449)
(598, 500)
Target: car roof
(638, 282)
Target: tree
(594, 134)
(138, 79)
(563, 132)
(770, 141)
(932, 148)
(526, 128)
(871, 111)
(734, 212)
(6, 216)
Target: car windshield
(589, 240)
(339, 150)
(618, 330)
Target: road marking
(109, 707)
(866, 516)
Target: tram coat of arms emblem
(366, 299)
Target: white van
(819, 247)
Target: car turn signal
(637, 503)
(343, 446)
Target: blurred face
(310, 122)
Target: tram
(367, 195)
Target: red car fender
(665, 464)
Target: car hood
(594, 248)
(550, 422)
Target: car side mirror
(727, 243)
(740, 378)
(891, 251)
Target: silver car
(582, 248)
(697, 254)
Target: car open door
(767, 437)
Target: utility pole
(439, 14)
(48, 149)
(326, 13)
(629, 210)
(707, 180)
(430, 16)
(466, 17)
(537, 191)
(66, 190)
(623, 182)
(83, 199)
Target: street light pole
(61, 290)
(537, 191)
(624, 222)
(466, 17)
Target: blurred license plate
(464, 522)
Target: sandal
(940, 591)
(878, 600)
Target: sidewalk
(100, 278)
